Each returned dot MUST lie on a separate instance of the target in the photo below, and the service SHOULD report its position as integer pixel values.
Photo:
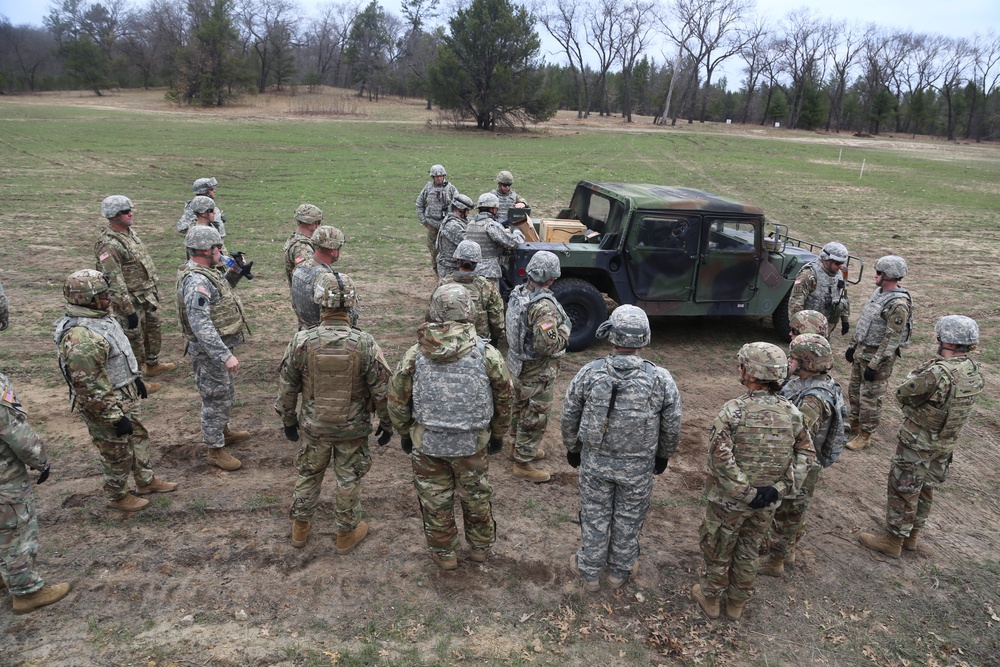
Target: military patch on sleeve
(104, 256)
(201, 289)
(797, 282)
(299, 259)
(8, 396)
(546, 325)
(201, 302)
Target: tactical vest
(829, 292)
(764, 438)
(520, 337)
(226, 314)
(947, 418)
(121, 365)
(476, 231)
(453, 401)
(871, 325)
(476, 286)
(507, 202)
(295, 239)
(445, 246)
(136, 264)
(437, 200)
(303, 281)
(618, 418)
(335, 377)
(831, 438)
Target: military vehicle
(671, 251)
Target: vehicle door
(662, 255)
(730, 259)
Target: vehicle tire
(585, 307)
(779, 318)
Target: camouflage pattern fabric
(203, 302)
(19, 547)
(217, 389)
(730, 541)
(297, 249)
(303, 284)
(20, 447)
(866, 396)
(4, 310)
(351, 462)
(507, 202)
(188, 218)
(488, 302)
(816, 289)
(121, 456)
(432, 205)
(495, 240)
(452, 233)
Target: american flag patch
(104, 256)
(203, 290)
(548, 324)
(8, 395)
(300, 259)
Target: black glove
(141, 388)
(660, 465)
(496, 444)
(573, 459)
(4, 322)
(406, 443)
(383, 435)
(292, 432)
(845, 326)
(849, 355)
(123, 427)
(870, 373)
(44, 476)
(243, 265)
(133, 320)
(766, 495)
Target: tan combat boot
(910, 542)
(708, 605)
(300, 533)
(159, 367)
(445, 563)
(220, 458)
(539, 453)
(734, 609)
(232, 437)
(588, 585)
(128, 503)
(886, 543)
(156, 486)
(772, 566)
(153, 387)
(347, 540)
(44, 596)
(790, 558)
(478, 555)
(530, 473)
(859, 442)
(616, 582)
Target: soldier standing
(122, 256)
(485, 295)
(937, 399)
(493, 238)
(211, 318)
(882, 330)
(299, 247)
(759, 450)
(819, 399)
(432, 205)
(202, 187)
(537, 334)
(621, 423)
(450, 400)
(342, 376)
(327, 242)
(452, 233)
(103, 376)
(820, 286)
(4, 312)
(506, 197)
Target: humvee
(669, 250)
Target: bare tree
(601, 20)
(847, 40)
(985, 74)
(25, 52)
(326, 38)
(920, 70)
(268, 27)
(757, 37)
(563, 22)
(805, 46)
(956, 60)
(635, 31)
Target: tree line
(483, 62)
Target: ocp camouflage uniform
(20, 448)
(507, 202)
(937, 399)
(758, 439)
(452, 233)
(815, 289)
(488, 302)
(882, 329)
(132, 284)
(622, 412)
(297, 249)
(451, 393)
(101, 370)
(4, 312)
(537, 336)
(432, 205)
(494, 240)
(343, 379)
(211, 319)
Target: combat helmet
(202, 237)
(82, 286)
(451, 303)
(835, 251)
(329, 237)
(505, 178)
(335, 290)
(462, 202)
(813, 352)
(437, 170)
(809, 321)
(627, 327)
(201, 204)
(543, 267)
(763, 361)
(469, 251)
(203, 185)
(488, 200)
(957, 330)
(308, 214)
(892, 267)
(115, 204)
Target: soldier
(21, 448)
(104, 383)
(122, 256)
(452, 233)
(507, 198)
(820, 286)
(299, 246)
(432, 205)
(343, 378)
(537, 334)
(808, 321)
(202, 187)
(211, 318)
(882, 330)
(4, 312)
(485, 295)
(819, 399)
(493, 238)
(937, 399)
(450, 399)
(759, 450)
(621, 423)
(233, 265)
(326, 243)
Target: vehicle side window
(732, 236)
(598, 213)
(666, 234)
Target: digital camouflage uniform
(489, 304)
(303, 281)
(4, 312)
(297, 249)
(816, 289)
(495, 240)
(432, 205)
(343, 379)
(451, 394)
(452, 233)
(212, 321)
(507, 202)
(201, 187)
(882, 329)
(20, 448)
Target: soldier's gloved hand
(133, 320)
(44, 476)
(292, 432)
(496, 444)
(660, 464)
(849, 355)
(573, 459)
(4, 321)
(766, 495)
(845, 326)
(406, 443)
(383, 435)
(123, 426)
(870, 373)
(242, 265)
(141, 388)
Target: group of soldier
(454, 398)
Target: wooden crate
(560, 231)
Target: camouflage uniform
(623, 412)
(211, 318)
(297, 249)
(20, 448)
(201, 188)
(507, 202)
(495, 240)
(817, 289)
(471, 404)
(4, 312)
(343, 377)
(132, 274)
(303, 281)
(452, 233)
(432, 205)
(489, 304)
